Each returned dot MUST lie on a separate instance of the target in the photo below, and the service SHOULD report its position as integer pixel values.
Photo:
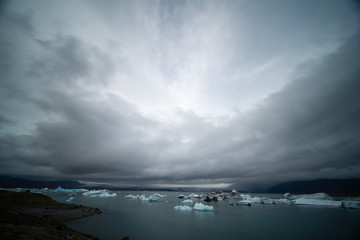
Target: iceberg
(317, 196)
(350, 204)
(202, 207)
(60, 189)
(234, 193)
(183, 208)
(130, 196)
(70, 199)
(215, 196)
(317, 202)
(148, 199)
(159, 195)
(99, 193)
(181, 196)
(188, 201)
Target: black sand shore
(25, 215)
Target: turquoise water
(159, 220)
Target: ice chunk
(70, 199)
(159, 195)
(148, 199)
(318, 202)
(234, 193)
(183, 208)
(350, 204)
(188, 201)
(60, 189)
(318, 196)
(282, 201)
(244, 196)
(130, 196)
(99, 193)
(202, 207)
(181, 196)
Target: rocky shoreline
(25, 215)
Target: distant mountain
(330, 186)
(9, 182)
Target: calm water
(158, 220)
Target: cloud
(131, 106)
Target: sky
(242, 94)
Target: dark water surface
(159, 220)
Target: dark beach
(25, 215)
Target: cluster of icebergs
(318, 199)
(153, 198)
(99, 193)
(197, 207)
(215, 196)
(191, 195)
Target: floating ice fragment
(350, 204)
(202, 207)
(148, 199)
(183, 208)
(159, 195)
(187, 201)
(318, 202)
(318, 196)
(130, 196)
(181, 196)
(70, 199)
(99, 193)
(60, 189)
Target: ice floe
(202, 207)
(234, 193)
(350, 204)
(99, 193)
(159, 195)
(183, 208)
(215, 196)
(317, 202)
(316, 196)
(188, 201)
(60, 189)
(70, 199)
(148, 199)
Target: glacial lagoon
(142, 220)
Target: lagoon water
(159, 220)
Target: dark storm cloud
(63, 116)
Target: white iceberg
(317, 196)
(60, 189)
(188, 201)
(282, 201)
(99, 193)
(183, 208)
(148, 199)
(317, 202)
(234, 192)
(130, 196)
(196, 195)
(159, 195)
(70, 199)
(202, 207)
(350, 204)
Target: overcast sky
(177, 93)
